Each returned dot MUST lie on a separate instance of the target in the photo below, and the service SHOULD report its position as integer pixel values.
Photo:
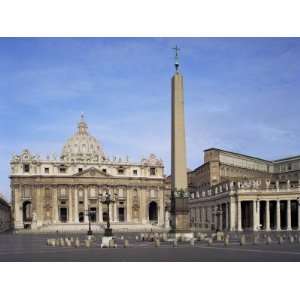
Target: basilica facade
(65, 193)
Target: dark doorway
(294, 214)
(246, 214)
(93, 214)
(121, 213)
(223, 216)
(63, 214)
(273, 214)
(283, 214)
(153, 212)
(105, 216)
(27, 211)
(262, 214)
(81, 217)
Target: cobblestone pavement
(32, 247)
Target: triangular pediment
(92, 172)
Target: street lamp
(89, 213)
(106, 199)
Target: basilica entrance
(63, 214)
(27, 214)
(121, 214)
(153, 212)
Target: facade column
(161, 207)
(18, 218)
(86, 205)
(254, 215)
(70, 214)
(100, 212)
(128, 204)
(239, 216)
(289, 227)
(278, 221)
(267, 215)
(298, 202)
(55, 205)
(116, 216)
(76, 216)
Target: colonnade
(266, 214)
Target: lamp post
(107, 200)
(89, 213)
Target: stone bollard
(62, 242)
(48, 242)
(255, 239)
(53, 243)
(136, 237)
(291, 239)
(242, 240)
(122, 237)
(269, 240)
(142, 237)
(77, 243)
(280, 240)
(226, 240)
(72, 240)
(126, 243)
(87, 243)
(175, 243)
(157, 242)
(68, 243)
(192, 242)
(111, 243)
(209, 241)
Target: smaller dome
(82, 145)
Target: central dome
(82, 146)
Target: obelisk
(180, 224)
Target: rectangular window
(79, 170)
(152, 171)
(289, 167)
(26, 168)
(104, 170)
(62, 170)
(120, 171)
(46, 170)
(134, 172)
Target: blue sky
(241, 94)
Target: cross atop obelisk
(176, 58)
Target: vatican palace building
(63, 193)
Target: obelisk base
(180, 220)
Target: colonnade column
(298, 202)
(239, 216)
(86, 206)
(232, 212)
(267, 215)
(220, 215)
(254, 215)
(76, 219)
(227, 216)
(258, 215)
(278, 222)
(289, 227)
